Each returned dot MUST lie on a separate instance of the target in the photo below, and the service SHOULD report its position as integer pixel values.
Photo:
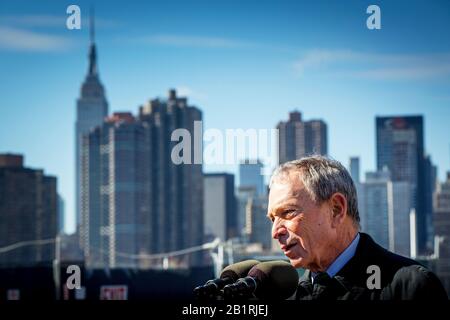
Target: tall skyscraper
(299, 138)
(442, 230)
(384, 210)
(136, 200)
(251, 174)
(354, 169)
(28, 212)
(92, 108)
(400, 147)
(220, 217)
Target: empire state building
(92, 108)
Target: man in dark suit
(314, 210)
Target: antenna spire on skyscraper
(92, 51)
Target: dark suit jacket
(401, 278)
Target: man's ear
(338, 204)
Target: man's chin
(297, 262)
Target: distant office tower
(92, 108)
(354, 169)
(400, 147)
(136, 200)
(61, 214)
(442, 230)
(384, 210)
(251, 174)
(299, 138)
(220, 217)
(257, 226)
(28, 212)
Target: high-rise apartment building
(298, 138)
(28, 213)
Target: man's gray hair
(322, 177)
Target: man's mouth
(287, 247)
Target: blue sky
(246, 64)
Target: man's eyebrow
(273, 212)
(282, 207)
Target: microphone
(228, 276)
(275, 280)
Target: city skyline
(232, 72)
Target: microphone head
(238, 270)
(229, 275)
(277, 280)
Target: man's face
(302, 227)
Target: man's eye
(290, 213)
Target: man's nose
(278, 228)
